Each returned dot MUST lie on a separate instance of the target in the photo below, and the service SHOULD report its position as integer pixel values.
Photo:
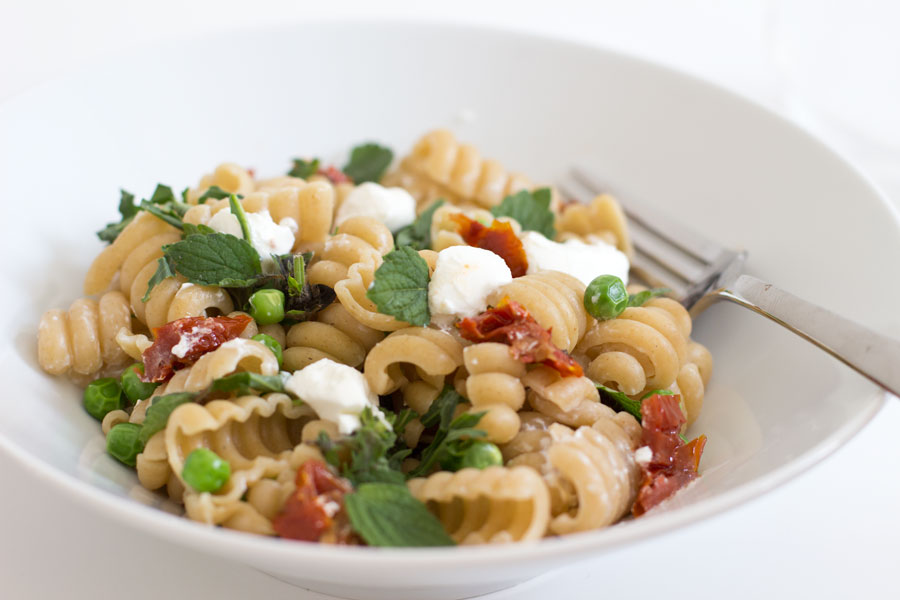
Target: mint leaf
(417, 234)
(530, 209)
(641, 297)
(164, 269)
(368, 162)
(620, 401)
(128, 209)
(450, 432)
(163, 195)
(246, 383)
(304, 168)
(214, 192)
(159, 411)
(215, 259)
(385, 514)
(441, 411)
(400, 288)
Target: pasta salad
(430, 353)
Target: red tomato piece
(673, 464)
(499, 238)
(191, 337)
(510, 323)
(334, 174)
(316, 508)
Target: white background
(833, 532)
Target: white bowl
(812, 224)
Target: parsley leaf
(530, 209)
(385, 514)
(159, 411)
(450, 431)
(214, 192)
(641, 297)
(215, 259)
(245, 383)
(368, 162)
(128, 209)
(304, 168)
(363, 456)
(417, 234)
(400, 288)
(164, 270)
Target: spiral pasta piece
(573, 401)
(251, 499)
(230, 177)
(555, 300)
(494, 386)
(602, 218)
(358, 240)
(432, 353)
(82, 340)
(598, 462)
(489, 506)
(440, 166)
(640, 350)
(445, 231)
(334, 334)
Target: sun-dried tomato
(499, 238)
(673, 464)
(195, 336)
(316, 509)
(334, 174)
(510, 323)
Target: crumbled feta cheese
(574, 257)
(394, 207)
(188, 339)
(266, 236)
(643, 455)
(464, 276)
(337, 392)
(290, 224)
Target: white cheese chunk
(266, 236)
(394, 207)
(643, 455)
(582, 261)
(463, 278)
(337, 392)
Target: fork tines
(666, 253)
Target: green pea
(267, 306)
(123, 442)
(205, 471)
(134, 388)
(102, 396)
(605, 297)
(482, 455)
(272, 344)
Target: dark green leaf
(164, 269)
(620, 401)
(440, 412)
(159, 411)
(246, 383)
(128, 209)
(417, 234)
(165, 213)
(214, 192)
(401, 287)
(641, 297)
(450, 432)
(530, 209)
(368, 162)
(385, 514)
(163, 195)
(304, 168)
(215, 259)
(363, 456)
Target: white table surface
(833, 532)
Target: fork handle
(875, 356)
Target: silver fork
(700, 272)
